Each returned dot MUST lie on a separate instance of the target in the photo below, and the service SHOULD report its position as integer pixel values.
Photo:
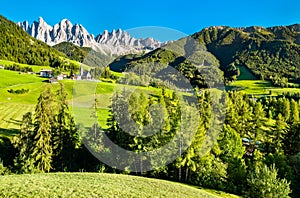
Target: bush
(18, 91)
(263, 182)
(16, 67)
(3, 169)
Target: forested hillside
(267, 52)
(187, 56)
(73, 51)
(16, 45)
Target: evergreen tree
(283, 106)
(232, 152)
(191, 124)
(41, 150)
(263, 182)
(258, 120)
(294, 118)
(65, 137)
(279, 131)
(23, 142)
(291, 140)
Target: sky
(161, 19)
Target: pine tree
(23, 143)
(263, 182)
(190, 128)
(65, 137)
(232, 152)
(258, 121)
(294, 118)
(279, 131)
(41, 150)
(291, 140)
(283, 106)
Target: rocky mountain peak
(114, 42)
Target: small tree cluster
(48, 138)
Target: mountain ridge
(117, 42)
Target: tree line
(254, 153)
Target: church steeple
(81, 71)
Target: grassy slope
(245, 74)
(247, 82)
(96, 185)
(37, 68)
(14, 106)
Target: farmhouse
(46, 73)
(250, 146)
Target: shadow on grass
(264, 84)
(234, 88)
(13, 121)
(8, 132)
(7, 150)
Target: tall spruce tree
(41, 150)
(258, 120)
(294, 118)
(65, 137)
(23, 142)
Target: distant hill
(190, 58)
(266, 52)
(73, 51)
(16, 45)
(85, 55)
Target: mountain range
(117, 42)
(268, 53)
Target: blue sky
(186, 17)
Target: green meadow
(97, 185)
(14, 106)
(249, 84)
(35, 68)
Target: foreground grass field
(96, 185)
